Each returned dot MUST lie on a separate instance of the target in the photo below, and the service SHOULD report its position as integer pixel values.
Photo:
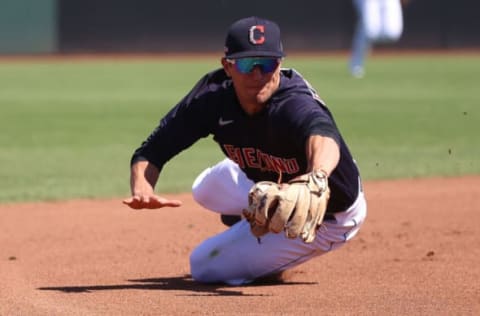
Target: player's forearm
(143, 177)
(323, 153)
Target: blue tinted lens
(266, 65)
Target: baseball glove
(296, 207)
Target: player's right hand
(150, 202)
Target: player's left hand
(296, 207)
(150, 202)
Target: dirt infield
(417, 254)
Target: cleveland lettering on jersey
(256, 159)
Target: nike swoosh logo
(223, 122)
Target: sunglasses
(246, 65)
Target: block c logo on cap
(257, 37)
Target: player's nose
(257, 72)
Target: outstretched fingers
(150, 202)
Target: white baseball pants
(235, 256)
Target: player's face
(254, 79)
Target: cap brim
(255, 53)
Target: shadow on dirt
(183, 283)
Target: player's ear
(226, 66)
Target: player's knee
(198, 194)
(200, 190)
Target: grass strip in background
(68, 128)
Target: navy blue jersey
(265, 145)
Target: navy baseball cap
(253, 37)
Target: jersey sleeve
(311, 117)
(187, 122)
(322, 123)
(306, 111)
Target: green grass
(68, 129)
(410, 116)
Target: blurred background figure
(378, 21)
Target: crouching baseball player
(288, 188)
